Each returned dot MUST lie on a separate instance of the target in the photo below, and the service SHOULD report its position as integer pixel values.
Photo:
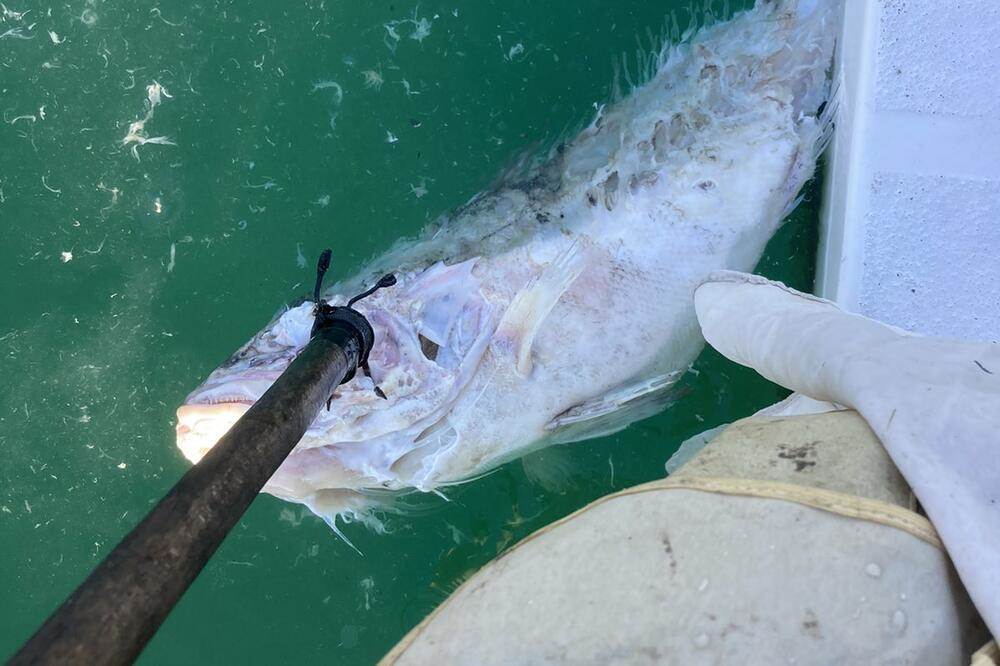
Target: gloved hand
(934, 403)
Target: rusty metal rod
(113, 614)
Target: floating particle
(333, 86)
(373, 79)
(155, 94)
(66, 257)
(137, 130)
(422, 30)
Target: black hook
(327, 315)
(321, 268)
(385, 281)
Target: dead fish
(558, 306)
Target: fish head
(431, 329)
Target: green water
(179, 257)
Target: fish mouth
(201, 426)
(212, 409)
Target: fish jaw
(200, 426)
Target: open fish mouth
(211, 410)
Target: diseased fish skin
(558, 306)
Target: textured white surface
(934, 56)
(926, 272)
(912, 217)
(931, 402)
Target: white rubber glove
(934, 403)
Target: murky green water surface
(293, 127)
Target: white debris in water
(456, 534)
(56, 39)
(173, 257)
(338, 97)
(158, 206)
(338, 91)
(515, 50)
(367, 585)
(390, 137)
(16, 33)
(155, 11)
(322, 201)
(268, 184)
(703, 584)
(419, 191)
(873, 570)
(25, 116)
(122, 465)
(66, 256)
(373, 79)
(49, 187)
(421, 30)
(406, 88)
(300, 259)
(155, 93)
(11, 14)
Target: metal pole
(112, 615)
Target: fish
(557, 305)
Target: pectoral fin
(531, 305)
(615, 410)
